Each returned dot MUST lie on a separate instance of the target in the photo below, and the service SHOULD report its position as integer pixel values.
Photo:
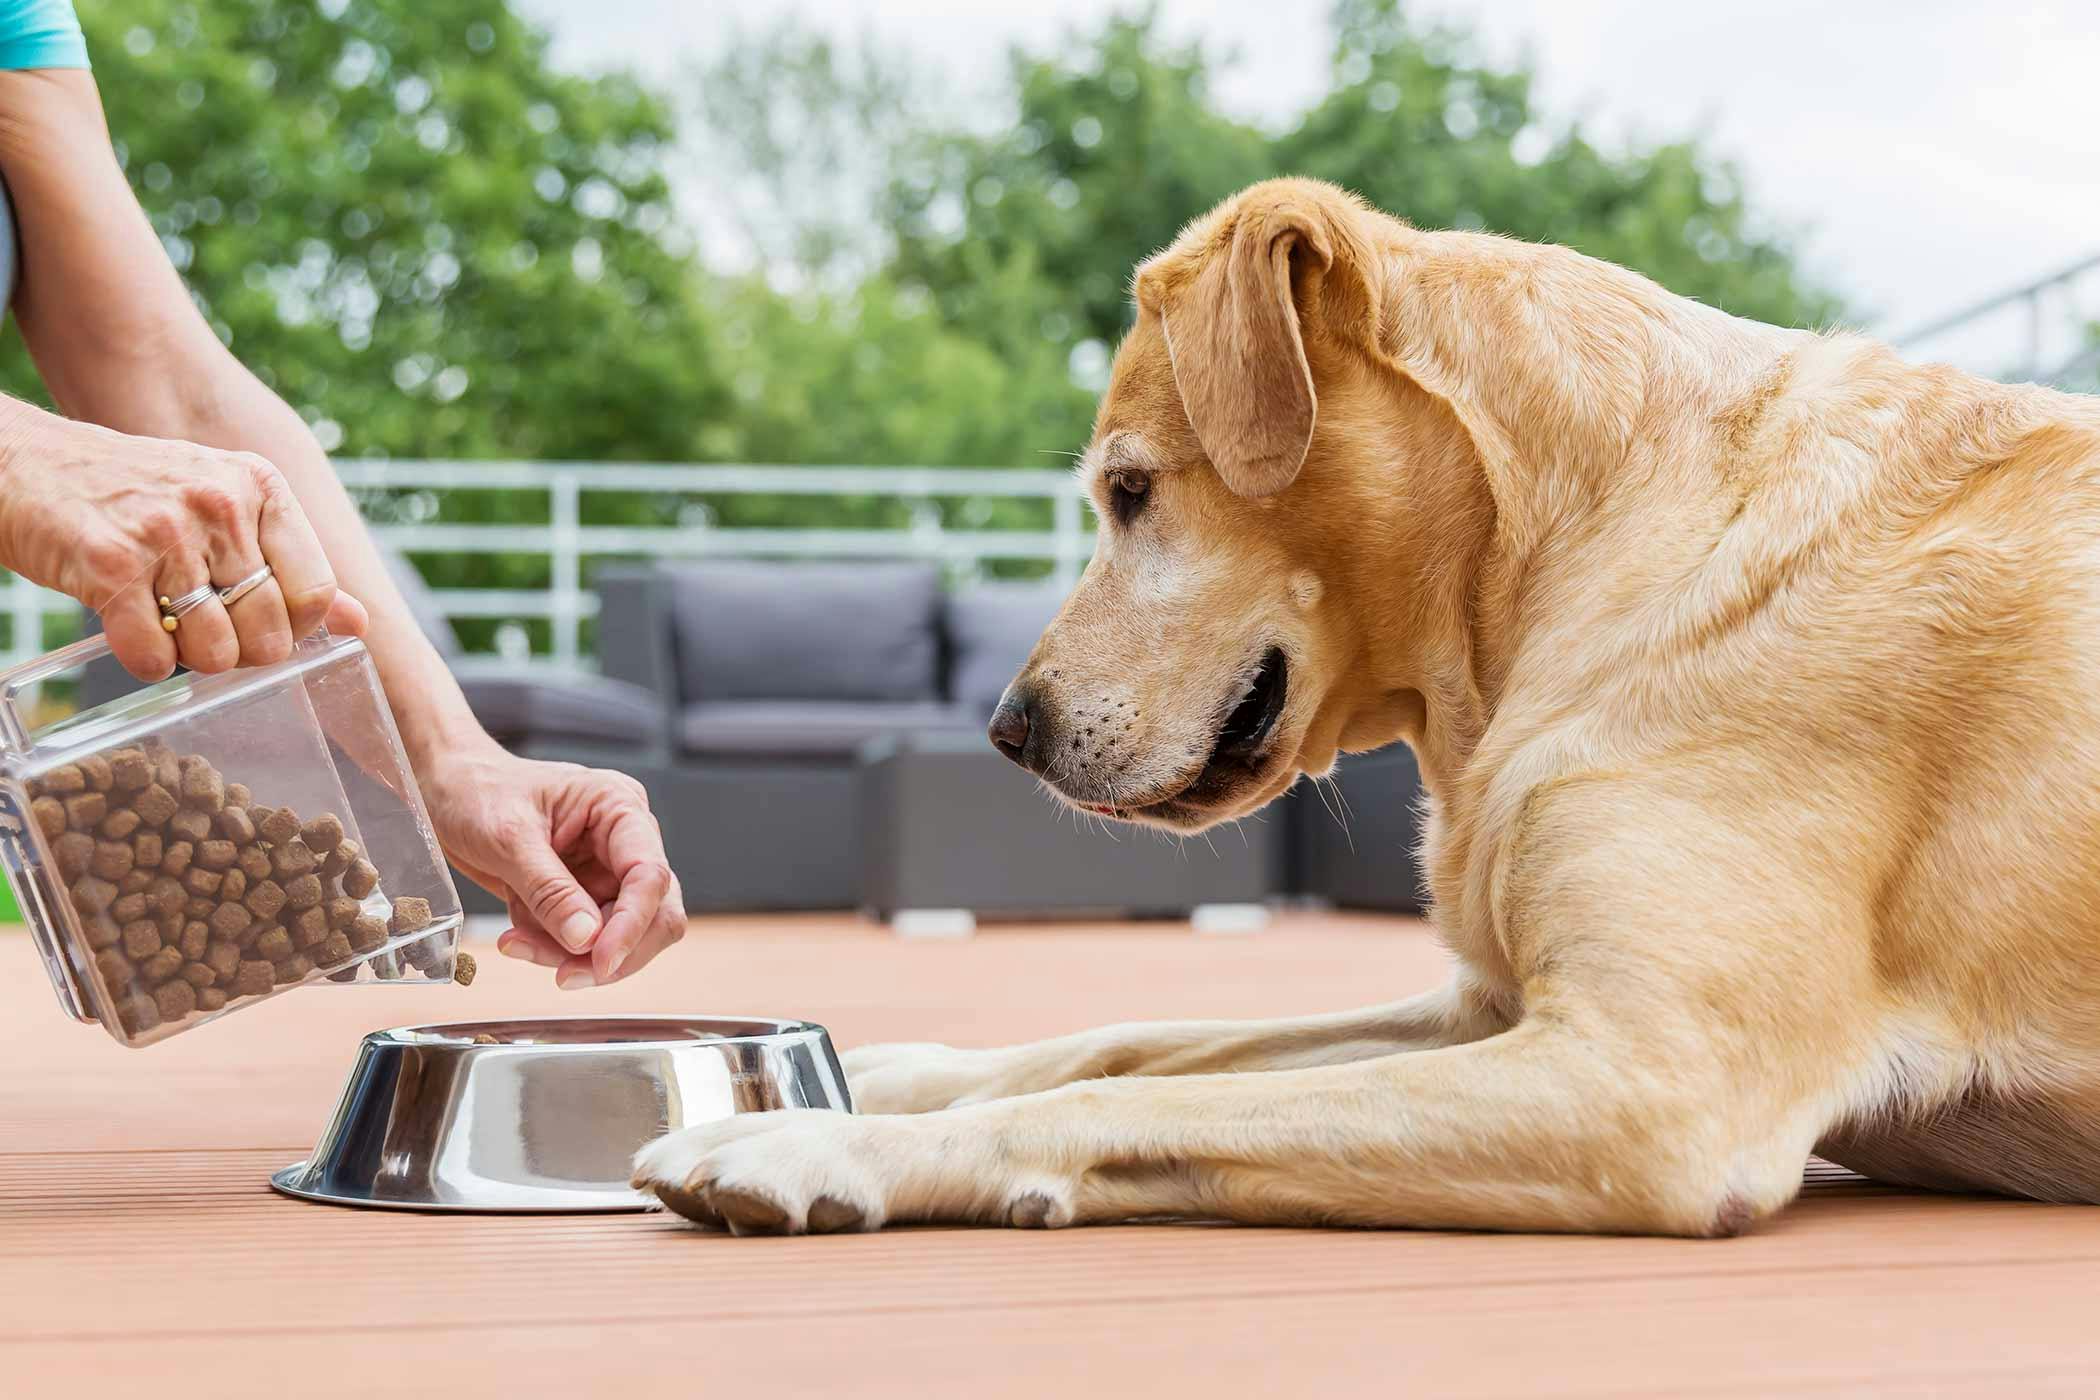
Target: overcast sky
(1931, 152)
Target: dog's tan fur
(1755, 676)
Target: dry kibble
(161, 966)
(167, 768)
(50, 814)
(166, 895)
(254, 978)
(255, 863)
(340, 859)
(198, 975)
(202, 787)
(170, 926)
(114, 967)
(230, 920)
(293, 968)
(73, 851)
(193, 940)
(342, 910)
(86, 811)
(234, 885)
(266, 898)
(335, 949)
(200, 906)
(65, 780)
(275, 944)
(148, 850)
(237, 795)
(425, 956)
(128, 907)
(112, 860)
(236, 825)
(100, 930)
(308, 928)
(223, 958)
(323, 833)
(293, 859)
(120, 824)
(360, 879)
(94, 894)
(138, 1014)
(304, 892)
(463, 969)
(156, 807)
(211, 998)
(128, 769)
(176, 999)
(95, 768)
(410, 914)
(141, 939)
(205, 883)
(134, 881)
(217, 855)
(279, 825)
(176, 858)
(367, 932)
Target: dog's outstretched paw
(791, 1172)
(920, 1077)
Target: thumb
(347, 617)
(545, 886)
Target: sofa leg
(1229, 918)
(933, 923)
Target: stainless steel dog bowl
(547, 1115)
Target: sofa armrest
(635, 637)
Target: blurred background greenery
(436, 245)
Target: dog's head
(1241, 466)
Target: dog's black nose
(1011, 724)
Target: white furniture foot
(933, 923)
(1229, 918)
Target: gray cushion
(589, 708)
(991, 629)
(826, 729)
(764, 631)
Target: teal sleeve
(41, 34)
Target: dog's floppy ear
(1238, 353)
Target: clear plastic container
(211, 841)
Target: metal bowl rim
(445, 1035)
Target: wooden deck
(142, 1254)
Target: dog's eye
(1126, 495)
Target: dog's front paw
(919, 1078)
(790, 1172)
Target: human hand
(573, 851)
(118, 522)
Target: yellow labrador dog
(1755, 675)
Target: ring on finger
(233, 592)
(172, 609)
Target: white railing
(565, 541)
(2039, 332)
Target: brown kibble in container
(134, 881)
(323, 833)
(201, 882)
(128, 907)
(198, 975)
(128, 769)
(176, 857)
(211, 998)
(223, 958)
(86, 811)
(100, 930)
(161, 966)
(463, 969)
(294, 969)
(112, 860)
(423, 957)
(367, 931)
(237, 795)
(341, 859)
(217, 855)
(95, 768)
(50, 814)
(193, 939)
(278, 826)
(93, 894)
(73, 851)
(64, 780)
(335, 949)
(138, 1013)
(148, 850)
(293, 859)
(360, 879)
(200, 906)
(176, 999)
(202, 787)
(255, 863)
(141, 939)
(266, 898)
(342, 910)
(275, 944)
(114, 968)
(410, 914)
(234, 885)
(166, 895)
(156, 806)
(120, 824)
(304, 892)
(236, 825)
(230, 920)
(309, 927)
(254, 978)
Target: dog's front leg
(920, 1078)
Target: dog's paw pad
(748, 1213)
(690, 1204)
(1037, 1210)
(828, 1215)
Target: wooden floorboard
(141, 1252)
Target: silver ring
(188, 602)
(234, 592)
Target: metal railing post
(565, 493)
(1070, 529)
